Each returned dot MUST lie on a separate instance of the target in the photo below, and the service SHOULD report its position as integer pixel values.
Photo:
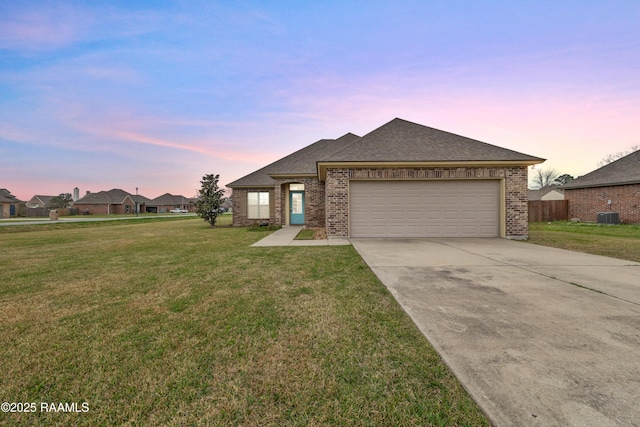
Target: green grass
(177, 323)
(618, 241)
(305, 234)
(47, 225)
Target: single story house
(114, 201)
(141, 202)
(401, 180)
(548, 192)
(39, 201)
(167, 202)
(8, 204)
(612, 188)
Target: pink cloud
(10, 132)
(43, 28)
(51, 25)
(203, 147)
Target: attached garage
(397, 208)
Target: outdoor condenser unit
(611, 218)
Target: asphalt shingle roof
(168, 199)
(302, 162)
(404, 141)
(7, 197)
(397, 141)
(115, 196)
(625, 170)
(540, 192)
(46, 200)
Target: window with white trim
(258, 205)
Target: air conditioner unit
(610, 218)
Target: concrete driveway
(538, 336)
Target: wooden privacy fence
(548, 210)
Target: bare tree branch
(544, 177)
(610, 158)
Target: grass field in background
(177, 323)
(48, 225)
(618, 241)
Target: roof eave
(323, 166)
(608, 184)
(292, 175)
(251, 186)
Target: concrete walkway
(286, 235)
(538, 336)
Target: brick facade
(239, 206)
(113, 209)
(516, 193)
(585, 203)
(5, 210)
(313, 203)
(327, 204)
(337, 202)
(516, 202)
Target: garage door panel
(424, 208)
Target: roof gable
(398, 141)
(46, 200)
(168, 199)
(300, 163)
(7, 197)
(113, 197)
(625, 170)
(539, 193)
(404, 141)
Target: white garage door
(424, 208)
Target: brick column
(277, 201)
(516, 200)
(337, 202)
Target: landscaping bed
(312, 233)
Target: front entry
(296, 207)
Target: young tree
(210, 201)
(62, 200)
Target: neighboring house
(400, 180)
(110, 202)
(142, 203)
(549, 192)
(227, 204)
(612, 188)
(38, 201)
(167, 202)
(8, 204)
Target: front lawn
(618, 241)
(176, 323)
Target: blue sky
(155, 94)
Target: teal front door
(296, 207)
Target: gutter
(609, 184)
(323, 166)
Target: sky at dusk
(156, 94)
